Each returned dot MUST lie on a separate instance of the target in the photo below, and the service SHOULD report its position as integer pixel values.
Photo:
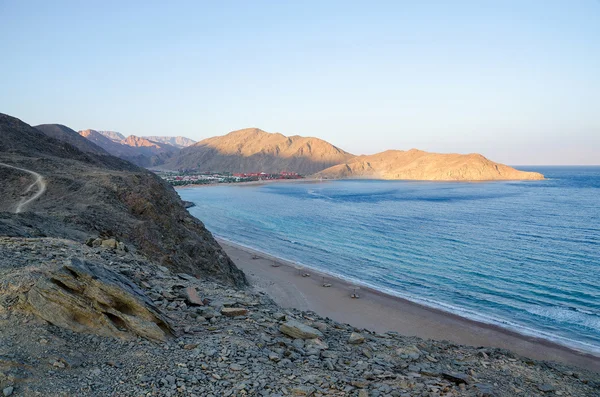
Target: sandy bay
(381, 312)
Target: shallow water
(523, 255)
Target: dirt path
(39, 182)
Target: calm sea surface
(523, 255)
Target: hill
(89, 195)
(254, 150)
(65, 134)
(419, 165)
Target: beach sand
(381, 312)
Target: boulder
(297, 330)
(89, 298)
(356, 338)
(234, 311)
(192, 297)
(110, 243)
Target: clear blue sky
(518, 81)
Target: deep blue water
(523, 255)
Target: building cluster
(182, 178)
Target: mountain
(254, 150)
(139, 151)
(419, 165)
(65, 134)
(113, 135)
(87, 195)
(177, 141)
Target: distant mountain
(254, 150)
(90, 195)
(139, 151)
(65, 134)
(113, 135)
(419, 165)
(177, 141)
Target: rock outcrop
(90, 298)
(419, 165)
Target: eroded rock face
(89, 298)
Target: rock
(234, 311)
(297, 330)
(485, 389)
(456, 377)
(363, 393)
(303, 391)
(191, 296)
(546, 388)
(8, 391)
(356, 338)
(110, 243)
(236, 367)
(89, 298)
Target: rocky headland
(419, 165)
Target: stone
(8, 391)
(298, 330)
(89, 298)
(192, 297)
(485, 389)
(546, 388)
(236, 367)
(303, 391)
(356, 338)
(363, 393)
(234, 311)
(456, 377)
(110, 243)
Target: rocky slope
(100, 195)
(254, 150)
(218, 341)
(418, 165)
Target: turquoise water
(522, 255)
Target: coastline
(382, 312)
(254, 183)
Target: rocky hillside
(177, 141)
(254, 150)
(418, 165)
(88, 195)
(65, 134)
(98, 321)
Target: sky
(515, 80)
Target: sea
(521, 255)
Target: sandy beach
(381, 312)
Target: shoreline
(254, 183)
(381, 312)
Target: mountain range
(254, 150)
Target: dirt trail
(39, 182)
